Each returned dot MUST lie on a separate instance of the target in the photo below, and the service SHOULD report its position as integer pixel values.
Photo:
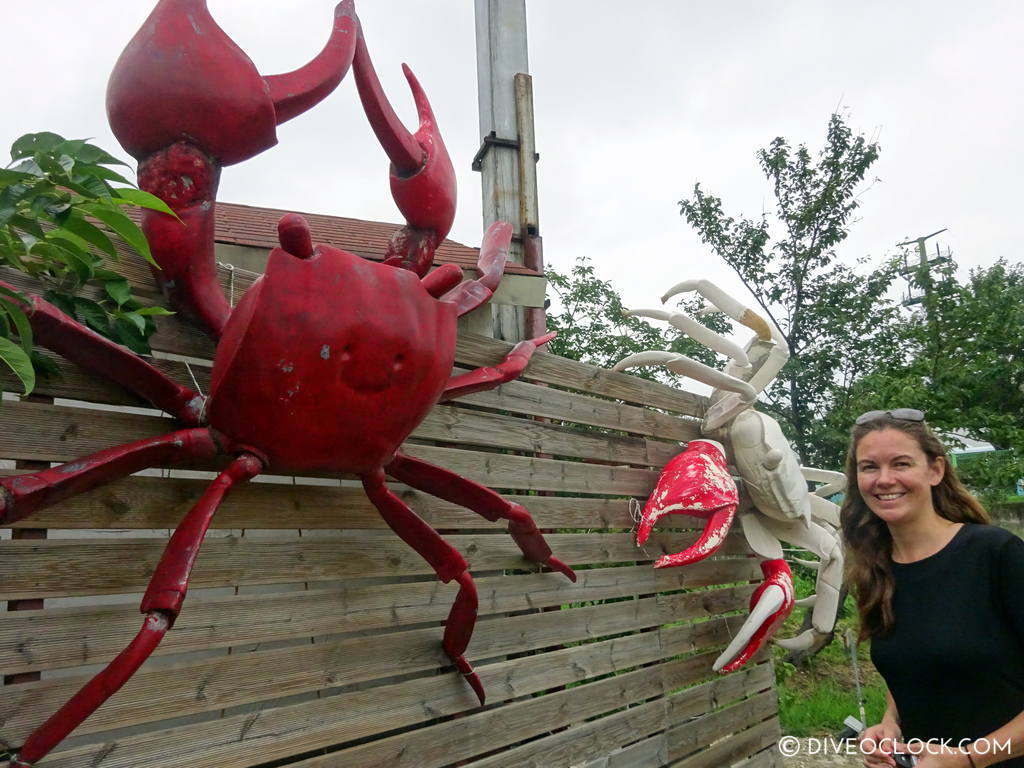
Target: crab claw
(185, 101)
(770, 604)
(696, 482)
(182, 78)
(422, 176)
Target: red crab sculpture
(329, 361)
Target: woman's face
(895, 477)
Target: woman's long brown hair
(868, 541)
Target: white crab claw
(812, 564)
(772, 599)
(807, 602)
(801, 642)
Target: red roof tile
(257, 227)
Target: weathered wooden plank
(688, 742)
(54, 567)
(156, 502)
(68, 637)
(740, 744)
(766, 758)
(227, 681)
(515, 397)
(473, 349)
(541, 400)
(42, 432)
(652, 751)
(447, 423)
(279, 732)
(590, 741)
(480, 733)
(477, 428)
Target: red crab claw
(181, 78)
(770, 604)
(185, 101)
(422, 176)
(696, 482)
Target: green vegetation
(58, 208)
(815, 698)
(593, 326)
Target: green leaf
(93, 155)
(31, 143)
(20, 321)
(94, 315)
(129, 335)
(62, 301)
(62, 252)
(89, 187)
(90, 233)
(44, 366)
(25, 224)
(7, 176)
(143, 200)
(154, 312)
(19, 362)
(123, 226)
(13, 294)
(135, 319)
(101, 173)
(118, 290)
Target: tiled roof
(257, 227)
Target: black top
(954, 661)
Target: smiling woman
(938, 593)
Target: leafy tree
(834, 318)
(57, 208)
(961, 360)
(593, 326)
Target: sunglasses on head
(903, 414)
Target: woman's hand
(878, 743)
(933, 755)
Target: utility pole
(920, 274)
(507, 158)
(921, 270)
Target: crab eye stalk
(293, 233)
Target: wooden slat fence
(311, 635)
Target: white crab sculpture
(773, 495)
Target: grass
(814, 700)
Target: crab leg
(21, 495)
(488, 377)
(161, 604)
(490, 267)
(695, 331)
(829, 549)
(422, 176)
(768, 334)
(54, 330)
(687, 366)
(447, 563)
(445, 484)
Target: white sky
(632, 107)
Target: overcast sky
(632, 108)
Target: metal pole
(507, 157)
